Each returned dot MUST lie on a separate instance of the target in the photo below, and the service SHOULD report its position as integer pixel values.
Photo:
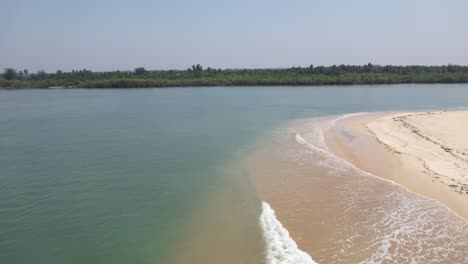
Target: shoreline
(364, 141)
(59, 87)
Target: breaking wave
(281, 248)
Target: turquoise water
(110, 176)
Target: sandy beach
(427, 152)
(323, 177)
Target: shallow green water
(110, 176)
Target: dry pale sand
(427, 152)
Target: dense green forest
(198, 76)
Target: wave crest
(281, 248)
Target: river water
(169, 176)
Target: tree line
(197, 75)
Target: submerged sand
(331, 181)
(427, 152)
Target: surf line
(280, 247)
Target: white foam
(302, 141)
(281, 248)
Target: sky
(104, 35)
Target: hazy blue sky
(112, 34)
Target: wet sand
(427, 152)
(339, 213)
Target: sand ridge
(425, 151)
(434, 141)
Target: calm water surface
(114, 176)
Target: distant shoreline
(196, 76)
(100, 87)
(135, 85)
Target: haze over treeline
(122, 35)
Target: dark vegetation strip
(197, 76)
